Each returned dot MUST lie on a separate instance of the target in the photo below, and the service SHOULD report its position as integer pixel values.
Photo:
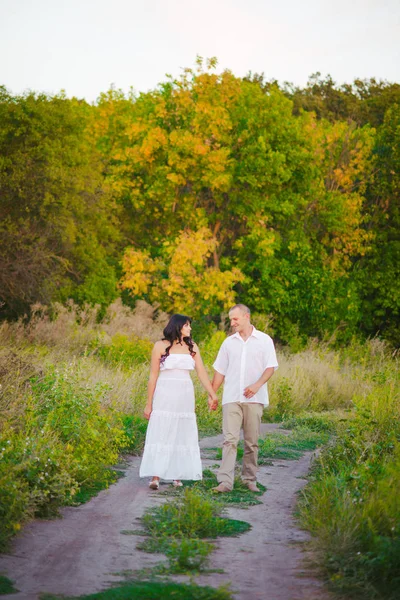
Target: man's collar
(254, 333)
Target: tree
(182, 281)
(58, 221)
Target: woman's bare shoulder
(161, 344)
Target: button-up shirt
(242, 363)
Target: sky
(85, 46)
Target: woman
(172, 449)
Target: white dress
(171, 449)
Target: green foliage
(206, 190)
(67, 440)
(153, 590)
(284, 400)
(135, 428)
(288, 447)
(125, 352)
(210, 346)
(193, 516)
(6, 586)
(352, 506)
(379, 272)
(318, 422)
(240, 493)
(57, 219)
(188, 554)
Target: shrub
(188, 554)
(352, 505)
(65, 437)
(125, 352)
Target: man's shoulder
(264, 336)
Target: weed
(280, 446)
(6, 586)
(188, 554)
(192, 516)
(240, 493)
(152, 590)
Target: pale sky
(84, 46)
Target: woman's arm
(156, 354)
(203, 376)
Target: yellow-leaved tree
(184, 280)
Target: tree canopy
(208, 190)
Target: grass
(192, 516)
(150, 590)
(88, 491)
(280, 446)
(181, 528)
(73, 390)
(6, 586)
(240, 494)
(351, 504)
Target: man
(245, 362)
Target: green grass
(318, 422)
(351, 503)
(6, 586)
(240, 494)
(194, 516)
(280, 446)
(149, 590)
(88, 491)
(178, 528)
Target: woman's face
(186, 329)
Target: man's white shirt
(242, 363)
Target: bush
(188, 554)
(352, 504)
(125, 352)
(193, 516)
(66, 437)
(135, 428)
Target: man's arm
(252, 390)
(217, 381)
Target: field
(72, 396)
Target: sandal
(177, 483)
(154, 484)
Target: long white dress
(171, 449)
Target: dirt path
(84, 551)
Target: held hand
(212, 402)
(147, 412)
(251, 390)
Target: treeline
(208, 190)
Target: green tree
(58, 223)
(379, 272)
(281, 194)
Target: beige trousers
(234, 416)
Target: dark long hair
(173, 332)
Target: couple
(245, 362)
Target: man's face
(239, 320)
